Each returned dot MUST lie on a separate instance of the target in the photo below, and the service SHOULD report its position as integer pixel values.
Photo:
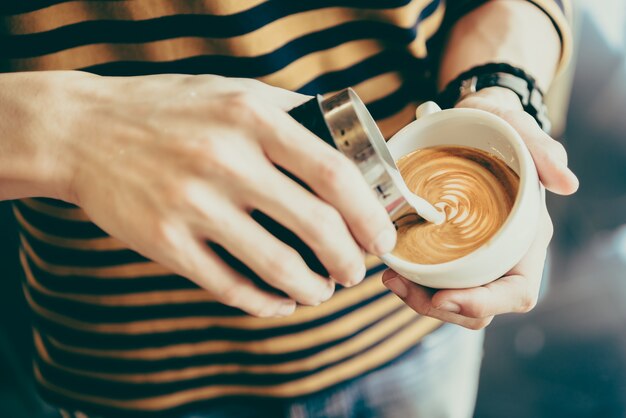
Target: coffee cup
(483, 131)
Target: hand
(517, 291)
(166, 163)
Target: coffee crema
(476, 191)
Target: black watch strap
(498, 75)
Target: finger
(317, 223)
(516, 292)
(281, 98)
(334, 178)
(273, 261)
(419, 299)
(549, 155)
(200, 265)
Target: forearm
(514, 32)
(34, 116)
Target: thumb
(279, 97)
(549, 156)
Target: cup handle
(426, 108)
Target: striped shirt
(115, 333)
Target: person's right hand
(166, 163)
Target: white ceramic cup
(485, 131)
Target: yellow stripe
(382, 353)
(130, 270)
(96, 244)
(347, 297)
(392, 124)
(68, 13)
(377, 87)
(70, 214)
(553, 10)
(108, 243)
(258, 42)
(123, 300)
(291, 77)
(79, 11)
(338, 328)
(127, 271)
(336, 353)
(64, 414)
(425, 30)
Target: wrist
(497, 99)
(36, 118)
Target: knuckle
(478, 311)
(230, 296)
(524, 116)
(480, 323)
(189, 193)
(266, 310)
(370, 224)
(172, 190)
(323, 292)
(284, 266)
(220, 161)
(349, 269)
(166, 233)
(527, 302)
(287, 269)
(243, 107)
(325, 223)
(335, 171)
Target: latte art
(475, 190)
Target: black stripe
(89, 312)
(89, 285)
(410, 91)
(82, 257)
(166, 27)
(262, 65)
(393, 102)
(24, 6)
(54, 202)
(59, 227)
(123, 390)
(381, 63)
(119, 365)
(269, 405)
(92, 339)
(107, 286)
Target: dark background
(567, 358)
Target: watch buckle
(468, 87)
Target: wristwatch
(498, 75)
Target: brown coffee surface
(476, 191)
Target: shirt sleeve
(559, 12)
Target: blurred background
(567, 358)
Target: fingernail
(358, 278)
(329, 291)
(574, 178)
(397, 286)
(286, 309)
(385, 241)
(449, 307)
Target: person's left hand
(518, 290)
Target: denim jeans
(437, 379)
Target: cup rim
(527, 173)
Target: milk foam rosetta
(475, 190)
